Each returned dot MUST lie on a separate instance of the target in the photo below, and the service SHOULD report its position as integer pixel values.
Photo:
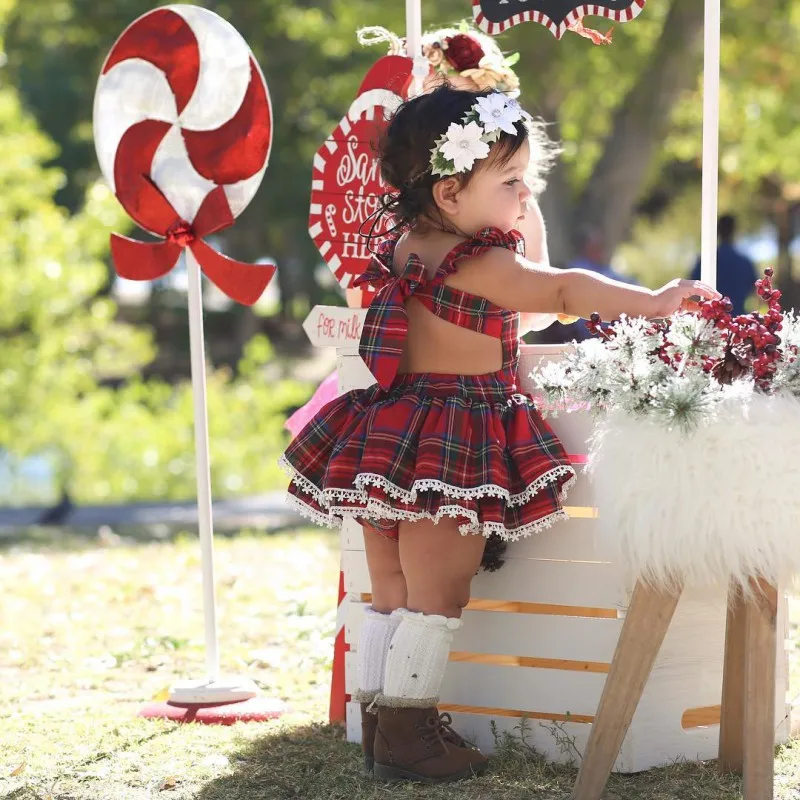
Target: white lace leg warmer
(417, 659)
(373, 645)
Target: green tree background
(89, 387)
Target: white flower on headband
(496, 111)
(463, 145)
(458, 149)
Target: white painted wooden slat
(493, 686)
(525, 580)
(351, 535)
(353, 721)
(531, 635)
(353, 373)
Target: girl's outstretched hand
(682, 295)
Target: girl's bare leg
(385, 571)
(438, 564)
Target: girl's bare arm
(511, 281)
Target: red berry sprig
(751, 341)
(595, 327)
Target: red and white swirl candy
(183, 129)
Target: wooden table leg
(731, 730)
(761, 639)
(642, 633)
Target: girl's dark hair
(405, 150)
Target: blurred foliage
(62, 351)
(147, 434)
(759, 109)
(59, 338)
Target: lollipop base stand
(223, 690)
(220, 702)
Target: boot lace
(448, 734)
(431, 732)
(439, 728)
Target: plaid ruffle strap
(481, 242)
(386, 324)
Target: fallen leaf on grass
(168, 783)
(20, 769)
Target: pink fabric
(328, 390)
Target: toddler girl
(444, 450)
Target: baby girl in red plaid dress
(444, 451)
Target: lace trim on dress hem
(359, 494)
(377, 510)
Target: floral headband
(462, 145)
(463, 55)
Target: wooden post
(761, 632)
(731, 730)
(646, 624)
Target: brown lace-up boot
(369, 724)
(417, 744)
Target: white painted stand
(539, 636)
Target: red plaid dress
(424, 445)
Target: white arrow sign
(334, 326)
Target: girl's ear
(445, 194)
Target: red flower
(463, 52)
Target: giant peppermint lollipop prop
(183, 128)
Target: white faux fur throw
(720, 502)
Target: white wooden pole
(708, 238)
(414, 44)
(212, 689)
(203, 465)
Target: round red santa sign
(346, 184)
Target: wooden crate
(539, 636)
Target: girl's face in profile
(497, 195)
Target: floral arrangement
(463, 144)
(680, 370)
(462, 54)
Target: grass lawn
(91, 629)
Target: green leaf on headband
(509, 61)
(439, 164)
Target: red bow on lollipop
(149, 208)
